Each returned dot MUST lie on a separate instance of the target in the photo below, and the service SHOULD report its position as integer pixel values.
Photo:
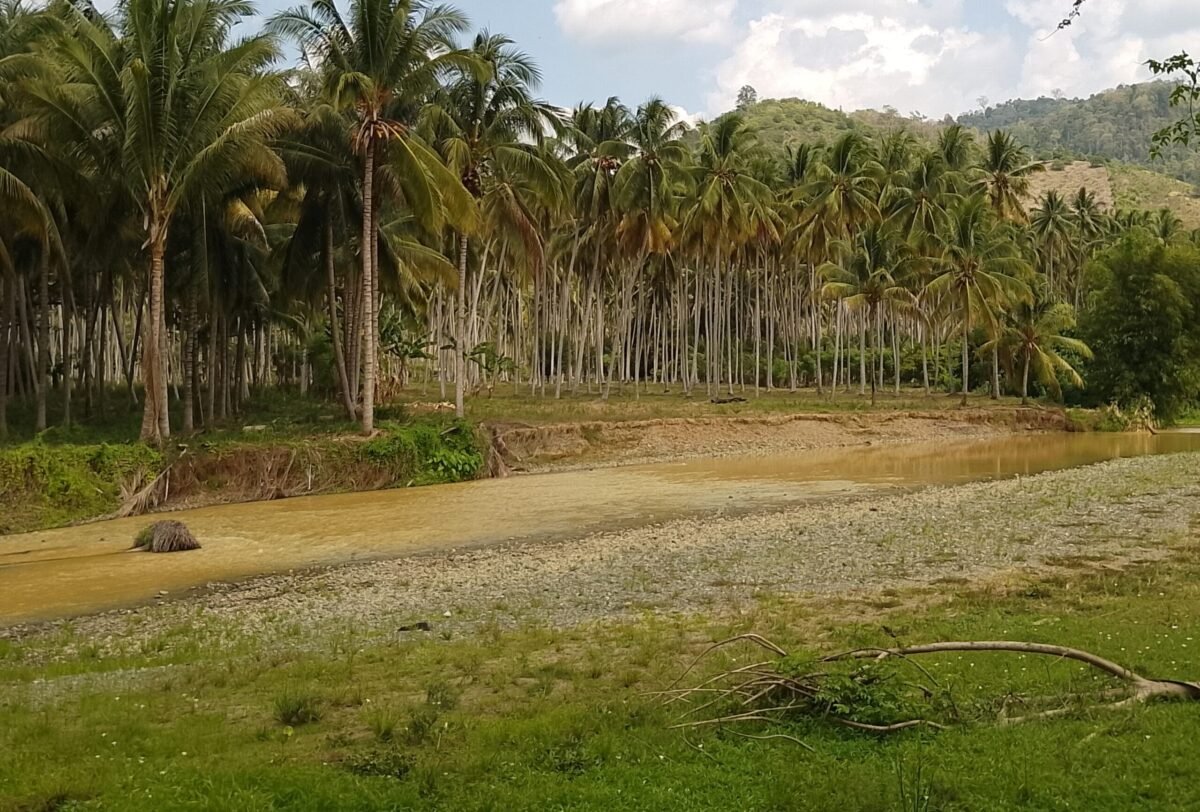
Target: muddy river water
(77, 570)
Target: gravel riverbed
(1128, 510)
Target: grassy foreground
(660, 403)
(537, 719)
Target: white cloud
(607, 20)
(933, 56)
(854, 58)
(681, 114)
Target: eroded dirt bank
(595, 444)
(1125, 510)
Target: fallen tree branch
(765, 692)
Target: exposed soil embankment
(596, 444)
(55, 485)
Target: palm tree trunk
(896, 353)
(7, 327)
(816, 316)
(966, 340)
(189, 363)
(460, 329)
(875, 349)
(924, 359)
(154, 412)
(369, 323)
(42, 384)
(862, 357)
(68, 352)
(995, 373)
(1025, 380)
(335, 333)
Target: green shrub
(381, 762)
(383, 722)
(47, 485)
(426, 453)
(295, 708)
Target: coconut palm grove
(912, 518)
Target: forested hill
(1115, 124)
(1102, 142)
(782, 123)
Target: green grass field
(536, 719)
(657, 404)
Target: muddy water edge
(80, 570)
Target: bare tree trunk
(335, 334)
(189, 363)
(460, 328)
(154, 413)
(369, 322)
(1025, 380)
(42, 379)
(7, 327)
(966, 353)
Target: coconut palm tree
(323, 168)
(919, 202)
(1035, 336)
(1005, 169)
(597, 144)
(977, 273)
(866, 280)
(488, 126)
(649, 184)
(729, 207)
(1052, 229)
(842, 198)
(165, 97)
(382, 61)
(1166, 225)
(956, 146)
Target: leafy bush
(1141, 323)
(426, 453)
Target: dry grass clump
(166, 537)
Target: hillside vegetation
(1115, 124)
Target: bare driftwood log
(771, 691)
(1139, 689)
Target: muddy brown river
(78, 570)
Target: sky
(928, 56)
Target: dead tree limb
(765, 692)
